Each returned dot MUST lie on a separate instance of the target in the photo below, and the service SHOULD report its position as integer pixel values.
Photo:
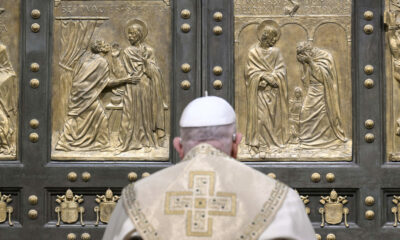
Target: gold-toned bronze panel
(111, 77)
(293, 79)
(392, 53)
(9, 74)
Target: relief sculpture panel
(392, 52)
(293, 79)
(111, 75)
(9, 75)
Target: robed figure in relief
(393, 27)
(392, 21)
(86, 127)
(320, 119)
(144, 105)
(266, 81)
(8, 103)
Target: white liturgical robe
(209, 196)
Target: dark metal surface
(34, 172)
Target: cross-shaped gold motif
(200, 203)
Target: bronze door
(91, 93)
(75, 76)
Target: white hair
(221, 137)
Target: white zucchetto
(207, 111)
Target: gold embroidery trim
(191, 233)
(192, 176)
(132, 207)
(204, 148)
(233, 207)
(199, 203)
(267, 213)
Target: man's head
(304, 50)
(135, 33)
(105, 48)
(99, 46)
(269, 36)
(268, 33)
(208, 120)
(298, 93)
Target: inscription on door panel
(293, 79)
(392, 52)
(111, 75)
(9, 75)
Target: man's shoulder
(223, 160)
(253, 48)
(129, 49)
(274, 49)
(161, 177)
(148, 48)
(323, 53)
(213, 174)
(256, 49)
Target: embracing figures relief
(110, 94)
(293, 68)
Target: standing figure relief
(266, 81)
(144, 106)
(392, 22)
(8, 103)
(295, 105)
(320, 120)
(135, 80)
(393, 29)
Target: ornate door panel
(308, 84)
(296, 116)
(85, 70)
(91, 93)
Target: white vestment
(209, 196)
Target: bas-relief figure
(86, 127)
(143, 113)
(117, 105)
(393, 33)
(8, 102)
(295, 105)
(320, 120)
(392, 27)
(293, 87)
(267, 120)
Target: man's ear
(178, 146)
(235, 145)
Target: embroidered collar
(203, 149)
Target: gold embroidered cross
(200, 203)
